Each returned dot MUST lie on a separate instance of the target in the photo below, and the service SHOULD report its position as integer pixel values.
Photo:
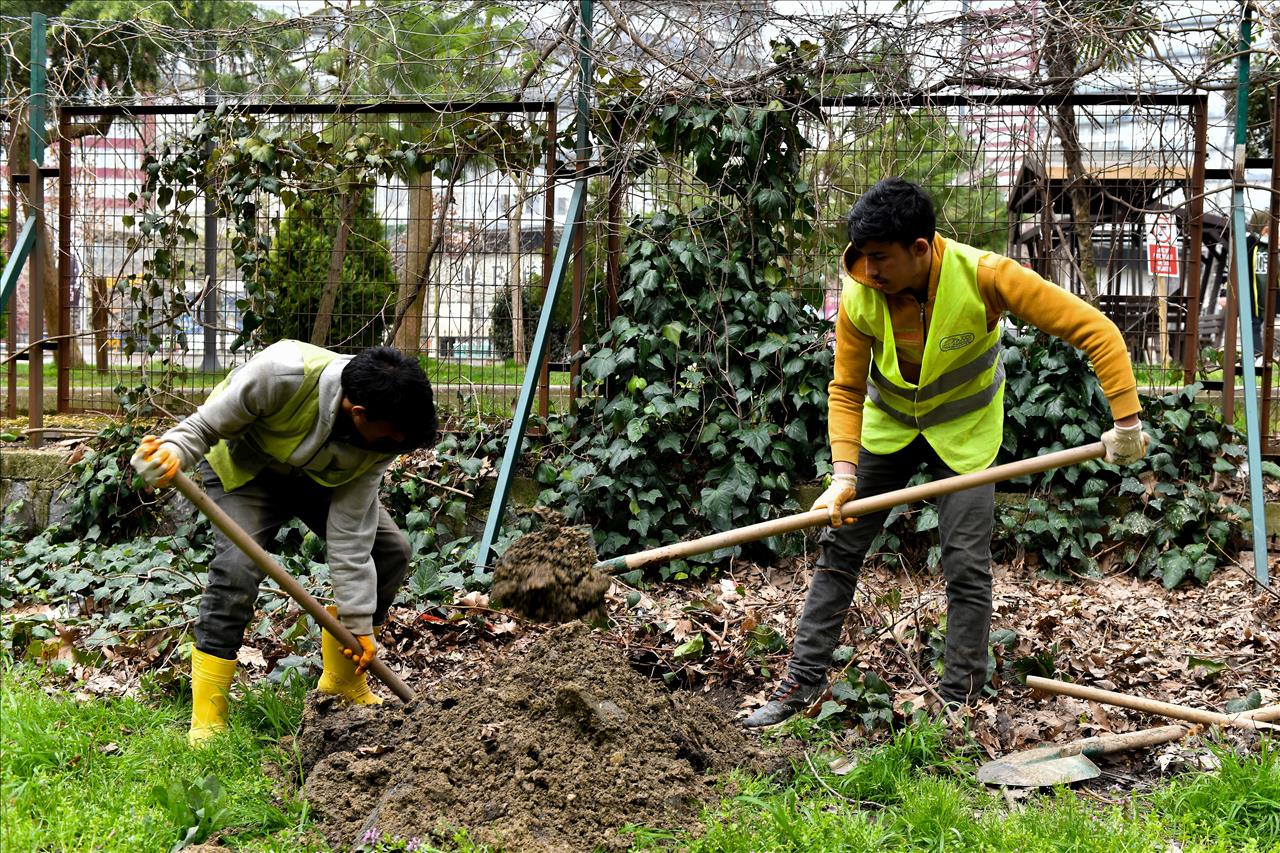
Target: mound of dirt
(558, 750)
(549, 576)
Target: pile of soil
(562, 746)
(549, 575)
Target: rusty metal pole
(35, 312)
(36, 270)
(1195, 244)
(575, 320)
(1229, 346)
(64, 268)
(11, 372)
(548, 238)
(1271, 435)
(613, 245)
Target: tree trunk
(1061, 58)
(324, 314)
(519, 351)
(408, 337)
(1080, 190)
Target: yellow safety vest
(958, 404)
(277, 435)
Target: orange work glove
(368, 651)
(156, 461)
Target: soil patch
(561, 746)
(549, 576)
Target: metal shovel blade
(1038, 768)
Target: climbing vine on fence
(256, 173)
(705, 400)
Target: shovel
(1247, 720)
(853, 509)
(1061, 765)
(277, 573)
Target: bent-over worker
(302, 432)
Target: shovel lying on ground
(277, 573)
(853, 509)
(1061, 765)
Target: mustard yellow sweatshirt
(1005, 286)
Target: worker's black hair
(893, 211)
(392, 388)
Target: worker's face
(895, 267)
(370, 434)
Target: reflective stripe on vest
(959, 403)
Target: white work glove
(842, 489)
(157, 462)
(1124, 444)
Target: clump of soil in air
(549, 575)
(556, 751)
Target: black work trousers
(261, 507)
(965, 521)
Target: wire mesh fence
(1124, 149)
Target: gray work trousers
(965, 520)
(261, 507)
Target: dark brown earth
(549, 575)
(558, 749)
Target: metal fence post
(1271, 441)
(1195, 242)
(36, 270)
(66, 357)
(1243, 277)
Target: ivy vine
(705, 401)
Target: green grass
(64, 788)
(446, 371)
(908, 796)
(502, 373)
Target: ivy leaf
(756, 438)
(1173, 568)
(691, 648)
(830, 708)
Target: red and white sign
(1162, 244)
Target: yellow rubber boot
(339, 677)
(210, 680)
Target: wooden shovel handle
(277, 573)
(853, 509)
(1248, 720)
(1106, 744)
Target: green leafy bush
(531, 298)
(706, 399)
(298, 269)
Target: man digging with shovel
(919, 380)
(298, 432)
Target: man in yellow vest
(919, 381)
(298, 432)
